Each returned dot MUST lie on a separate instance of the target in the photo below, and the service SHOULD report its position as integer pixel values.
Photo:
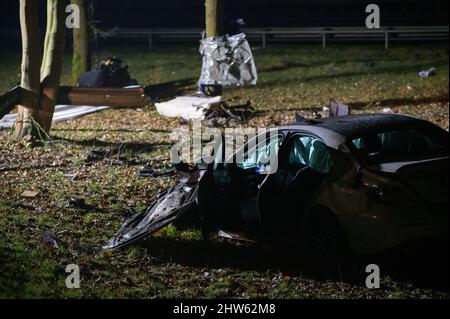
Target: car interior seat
(370, 144)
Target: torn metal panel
(112, 97)
(62, 113)
(227, 61)
(235, 236)
(168, 207)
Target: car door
(304, 163)
(228, 196)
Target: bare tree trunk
(214, 11)
(53, 59)
(31, 57)
(81, 60)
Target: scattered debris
(50, 238)
(78, 202)
(150, 172)
(130, 96)
(225, 115)
(29, 194)
(62, 113)
(388, 110)
(94, 156)
(193, 107)
(235, 236)
(72, 177)
(114, 156)
(120, 161)
(427, 73)
(212, 110)
(337, 109)
(334, 109)
(301, 119)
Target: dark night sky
(257, 13)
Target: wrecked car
(365, 183)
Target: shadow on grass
(360, 105)
(417, 268)
(136, 147)
(169, 89)
(369, 70)
(402, 101)
(288, 65)
(119, 130)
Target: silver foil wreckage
(227, 61)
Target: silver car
(363, 184)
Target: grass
(174, 263)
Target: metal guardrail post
(150, 41)
(324, 40)
(264, 43)
(386, 41)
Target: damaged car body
(365, 183)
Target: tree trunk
(31, 57)
(81, 60)
(214, 10)
(52, 62)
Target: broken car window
(401, 145)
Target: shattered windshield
(402, 145)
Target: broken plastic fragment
(427, 73)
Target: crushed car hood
(168, 207)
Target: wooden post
(214, 12)
(31, 58)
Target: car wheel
(326, 242)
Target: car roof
(354, 125)
(337, 130)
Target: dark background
(257, 13)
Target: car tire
(326, 243)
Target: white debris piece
(427, 73)
(62, 113)
(188, 107)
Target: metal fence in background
(265, 36)
(273, 35)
